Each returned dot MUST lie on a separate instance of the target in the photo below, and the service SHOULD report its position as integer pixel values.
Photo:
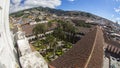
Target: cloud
(118, 18)
(116, 0)
(117, 10)
(71, 0)
(17, 5)
(113, 15)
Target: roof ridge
(81, 53)
(89, 58)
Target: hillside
(61, 13)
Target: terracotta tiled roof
(86, 53)
(28, 29)
(111, 42)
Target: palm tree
(50, 40)
(55, 43)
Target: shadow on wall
(108, 53)
(2, 65)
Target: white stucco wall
(33, 60)
(29, 59)
(7, 51)
(24, 46)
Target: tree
(65, 31)
(37, 20)
(49, 24)
(39, 45)
(39, 29)
(54, 45)
(59, 33)
(36, 31)
(50, 40)
(71, 30)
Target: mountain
(80, 15)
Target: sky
(109, 9)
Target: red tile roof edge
(77, 57)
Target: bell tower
(8, 55)
(7, 51)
